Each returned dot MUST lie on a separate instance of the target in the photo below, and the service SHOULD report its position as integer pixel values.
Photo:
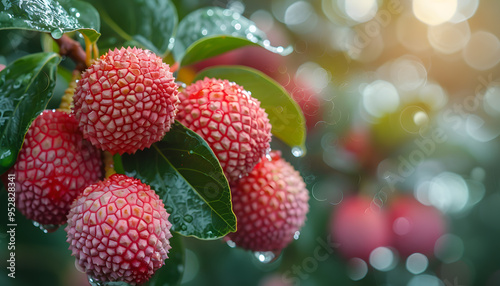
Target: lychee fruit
(230, 120)
(118, 230)
(359, 226)
(270, 205)
(54, 165)
(416, 227)
(126, 100)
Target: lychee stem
(109, 164)
(67, 99)
(88, 50)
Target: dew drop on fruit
(184, 227)
(94, 282)
(266, 256)
(231, 243)
(57, 33)
(297, 151)
(296, 235)
(46, 228)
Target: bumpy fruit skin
(416, 227)
(118, 230)
(270, 205)
(230, 120)
(126, 100)
(359, 226)
(54, 165)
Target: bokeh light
(417, 263)
(449, 38)
(434, 12)
(360, 10)
(483, 51)
(380, 97)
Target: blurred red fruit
(416, 227)
(307, 99)
(359, 226)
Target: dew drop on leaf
(57, 33)
(7, 157)
(188, 218)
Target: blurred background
(402, 100)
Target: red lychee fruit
(416, 227)
(54, 165)
(118, 230)
(126, 100)
(270, 205)
(230, 120)
(359, 226)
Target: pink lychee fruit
(54, 165)
(416, 227)
(270, 205)
(126, 100)
(118, 230)
(359, 226)
(230, 120)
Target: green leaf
(186, 174)
(26, 87)
(50, 16)
(287, 120)
(148, 24)
(197, 30)
(170, 274)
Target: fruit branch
(72, 49)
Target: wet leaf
(55, 17)
(287, 120)
(211, 31)
(147, 24)
(185, 173)
(26, 87)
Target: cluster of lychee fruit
(359, 226)
(117, 227)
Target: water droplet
(176, 219)
(231, 243)
(169, 210)
(7, 157)
(46, 228)
(188, 218)
(57, 33)
(296, 235)
(267, 256)
(184, 227)
(191, 152)
(93, 281)
(297, 151)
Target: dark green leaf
(50, 16)
(25, 89)
(287, 120)
(170, 274)
(148, 24)
(197, 30)
(185, 173)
